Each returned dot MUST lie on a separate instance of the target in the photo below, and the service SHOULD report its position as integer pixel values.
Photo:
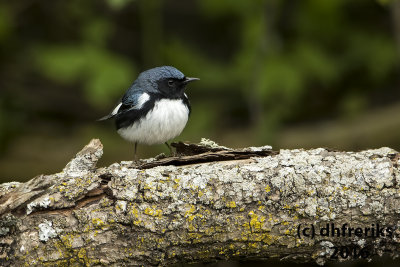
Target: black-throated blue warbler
(155, 108)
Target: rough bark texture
(255, 203)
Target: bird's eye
(170, 83)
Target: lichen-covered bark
(261, 207)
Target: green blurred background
(290, 74)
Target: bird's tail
(109, 116)
(112, 114)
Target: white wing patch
(143, 98)
(115, 111)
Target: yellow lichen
(153, 212)
(267, 189)
(190, 211)
(231, 204)
(98, 222)
(82, 256)
(256, 222)
(253, 245)
(135, 212)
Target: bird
(155, 108)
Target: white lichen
(311, 206)
(258, 149)
(38, 203)
(121, 205)
(6, 187)
(85, 161)
(326, 250)
(211, 144)
(361, 242)
(46, 231)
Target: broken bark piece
(85, 161)
(205, 151)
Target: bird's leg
(170, 149)
(135, 157)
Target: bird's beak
(188, 80)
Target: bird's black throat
(172, 88)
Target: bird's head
(166, 80)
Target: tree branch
(220, 203)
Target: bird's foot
(136, 162)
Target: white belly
(164, 122)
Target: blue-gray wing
(130, 114)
